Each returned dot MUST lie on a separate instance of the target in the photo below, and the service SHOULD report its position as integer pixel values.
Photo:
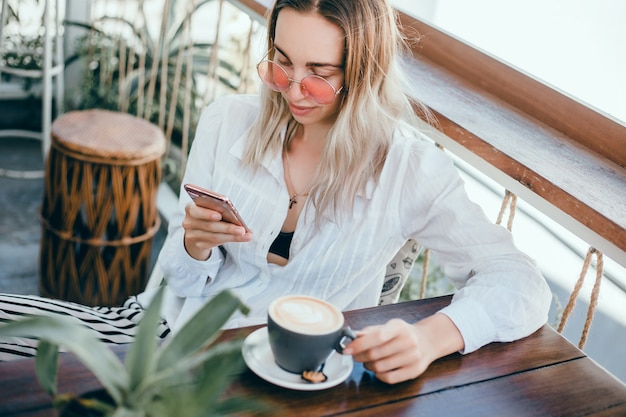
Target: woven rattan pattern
(99, 212)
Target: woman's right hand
(204, 230)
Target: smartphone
(215, 201)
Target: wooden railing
(562, 156)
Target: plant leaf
(46, 364)
(219, 365)
(181, 367)
(216, 374)
(201, 329)
(68, 332)
(139, 359)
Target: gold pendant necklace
(293, 199)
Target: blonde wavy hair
(373, 103)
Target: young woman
(332, 178)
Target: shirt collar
(273, 163)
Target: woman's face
(309, 44)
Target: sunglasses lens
(313, 87)
(273, 76)
(317, 90)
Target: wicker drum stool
(99, 212)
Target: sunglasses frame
(306, 93)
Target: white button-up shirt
(500, 294)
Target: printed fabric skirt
(116, 325)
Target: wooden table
(541, 375)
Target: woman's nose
(295, 92)
(295, 88)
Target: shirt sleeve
(185, 275)
(501, 295)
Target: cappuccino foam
(308, 315)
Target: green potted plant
(185, 376)
(21, 61)
(122, 62)
(22, 50)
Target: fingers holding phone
(211, 220)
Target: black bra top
(281, 244)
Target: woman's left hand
(398, 351)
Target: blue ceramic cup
(303, 332)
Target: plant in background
(166, 78)
(185, 376)
(22, 53)
(118, 69)
(22, 44)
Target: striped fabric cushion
(112, 324)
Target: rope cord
(509, 200)
(424, 273)
(595, 293)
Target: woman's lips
(300, 111)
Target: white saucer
(258, 356)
